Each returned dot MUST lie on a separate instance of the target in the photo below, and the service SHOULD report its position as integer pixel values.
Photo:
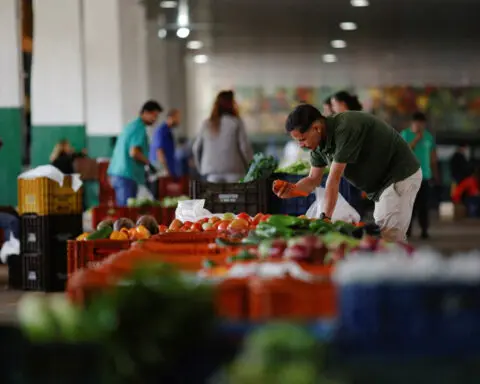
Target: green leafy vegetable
(261, 167)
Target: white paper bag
(193, 210)
(343, 210)
(10, 247)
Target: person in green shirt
(369, 153)
(423, 145)
(130, 155)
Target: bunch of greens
(261, 167)
(172, 202)
(300, 167)
(279, 354)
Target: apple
(257, 218)
(204, 220)
(187, 224)
(197, 227)
(207, 226)
(175, 225)
(228, 216)
(272, 248)
(339, 253)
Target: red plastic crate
(231, 299)
(2, 237)
(186, 237)
(105, 212)
(291, 299)
(102, 172)
(168, 215)
(169, 186)
(89, 253)
(106, 195)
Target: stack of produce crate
(50, 214)
(106, 193)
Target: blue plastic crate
(473, 206)
(414, 319)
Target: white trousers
(393, 211)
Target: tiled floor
(446, 237)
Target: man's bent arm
(332, 187)
(137, 154)
(312, 181)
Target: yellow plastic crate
(46, 197)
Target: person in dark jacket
(460, 168)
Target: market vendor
(369, 153)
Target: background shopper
(130, 155)
(222, 151)
(423, 145)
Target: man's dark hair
(302, 117)
(351, 101)
(419, 116)
(151, 106)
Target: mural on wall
(448, 109)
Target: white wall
(57, 96)
(103, 86)
(116, 63)
(10, 65)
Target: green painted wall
(10, 153)
(45, 137)
(99, 146)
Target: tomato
(238, 225)
(244, 216)
(142, 232)
(214, 219)
(175, 225)
(197, 227)
(216, 224)
(264, 218)
(187, 224)
(162, 228)
(201, 221)
(223, 226)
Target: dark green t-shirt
(375, 153)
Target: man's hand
(285, 191)
(416, 139)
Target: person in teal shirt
(423, 145)
(130, 155)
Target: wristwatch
(324, 217)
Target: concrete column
(115, 37)
(167, 71)
(57, 90)
(11, 100)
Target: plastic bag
(10, 247)
(343, 210)
(52, 173)
(193, 210)
(144, 193)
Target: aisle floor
(446, 237)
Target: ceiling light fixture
(162, 33)
(338, 44)
(200, 59)
(348, 26)
(168, 4)
(183, 32)
(329, 58)
(359, 3)
(194, 44)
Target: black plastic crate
(44, 272)
(251, 198)
(14, 263)
(48, 234)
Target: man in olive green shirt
(369, 153)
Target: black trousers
(421, 207)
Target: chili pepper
(279, 184)
(268, 231)
(320, 227)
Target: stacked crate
(50, 214)
(106, 195)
